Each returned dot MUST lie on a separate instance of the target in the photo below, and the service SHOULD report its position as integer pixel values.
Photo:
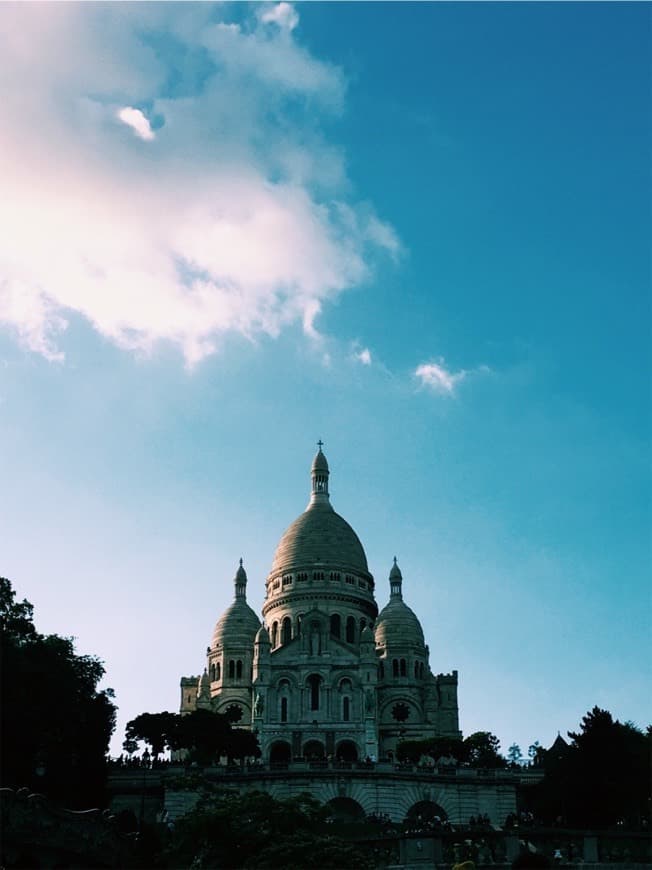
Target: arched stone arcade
(345, 809)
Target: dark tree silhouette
(204, 734)
(601, 779)
(56, 725)
(483, 750)
(480, 749)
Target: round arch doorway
(345, 809)
(426, 811)
(346, 751)
(313, 750)
(280, 752)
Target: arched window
(363, 622)
(350, 629)
(314, 681)
(218, 671)
(238, 670)
(284, 709)
(286, 630)
(299, 621)
(395, 667)
(346, 709)
(382, 670)
(231, 668)
(416, 670)
(274, 633)
(403, 668)
(336, 625)
(212, 672)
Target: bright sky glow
(417, 231)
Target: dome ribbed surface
(319, 535)
(237, 625)
(398, 626)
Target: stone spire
(240, 581)
(319, 474)
(395, 581)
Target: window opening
(313, 682)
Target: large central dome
(319, 535)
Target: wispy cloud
(135, 119)
(240, 220)
(364, 356)
(436, 377)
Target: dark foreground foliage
(254, 830)
(56, 725)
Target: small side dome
(262, 637)
(238, 624)
(397, 625)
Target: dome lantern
(240, 581)
(319, 474)
(395, 581)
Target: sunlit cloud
(364, 356)
(436, 377)
(240, 220)
(282, 14)
(135, 119)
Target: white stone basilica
(325, 674)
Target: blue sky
(417, 231)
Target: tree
(204, 734)
(254, 830)
(536, 753)
(601, 778)
(514, 754)
(435, 747)
(482, 750)
(154, 729)
(56, 725)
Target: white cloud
(364, 356)
(435, 376)
(240, 219)
(283, 14)
(135, 119)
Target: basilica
(325, 675)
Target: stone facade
(325, 675)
